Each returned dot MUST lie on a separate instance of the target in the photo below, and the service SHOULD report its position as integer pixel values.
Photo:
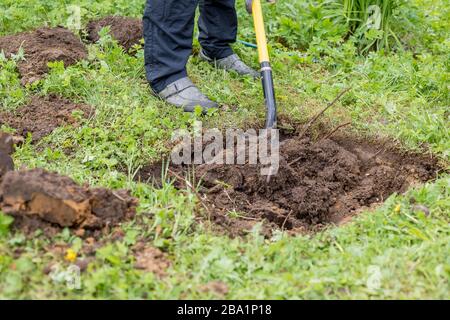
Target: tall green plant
(368, 21)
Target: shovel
(254, 8)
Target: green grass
(370, 21)
(11, 92)
(402, 94)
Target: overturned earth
(318, 183)
(43, 115)
(39, 199)
(40, 47)
(126, 31)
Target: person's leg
(218, 30)
(218, 27)
(168, 33)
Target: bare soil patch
(43, 115)
(42, 46)
(127, 31)
(150, 259)
(319, 183)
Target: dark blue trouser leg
(218, 27)
(168, 33)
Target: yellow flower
(71, 255)
(397, 208)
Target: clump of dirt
(6, 143)
(218, 288)
(43, 115)
(318, 183)
(41, 199)
(6, 164)
(42, 46)
(127, 31)
(6, 149)
(151, 259)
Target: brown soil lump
(59, 200)
(42, 46)
(127, 31)
(43, 115)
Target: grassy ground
(401, 94)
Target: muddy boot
(184, 94)
(233, 63)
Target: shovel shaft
(261, 39)
(269, 95)
(264, 60)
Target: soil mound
(42, 115)
(36, 196)
(127, 31)
(42, 46)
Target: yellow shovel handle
(254, 6)
(260, 30)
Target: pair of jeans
(168, 35)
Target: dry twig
(336, 129)
(317, 116)
(189, 185)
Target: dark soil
(43, 115)
(127, 31)
(318, 183)
(39, 199)
(6, 143)
(42, 46)
(6, 149)
(6, 164)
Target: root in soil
(43, 115)
(42, 46)
(127, 31)
(41, 199)
(318, 183)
